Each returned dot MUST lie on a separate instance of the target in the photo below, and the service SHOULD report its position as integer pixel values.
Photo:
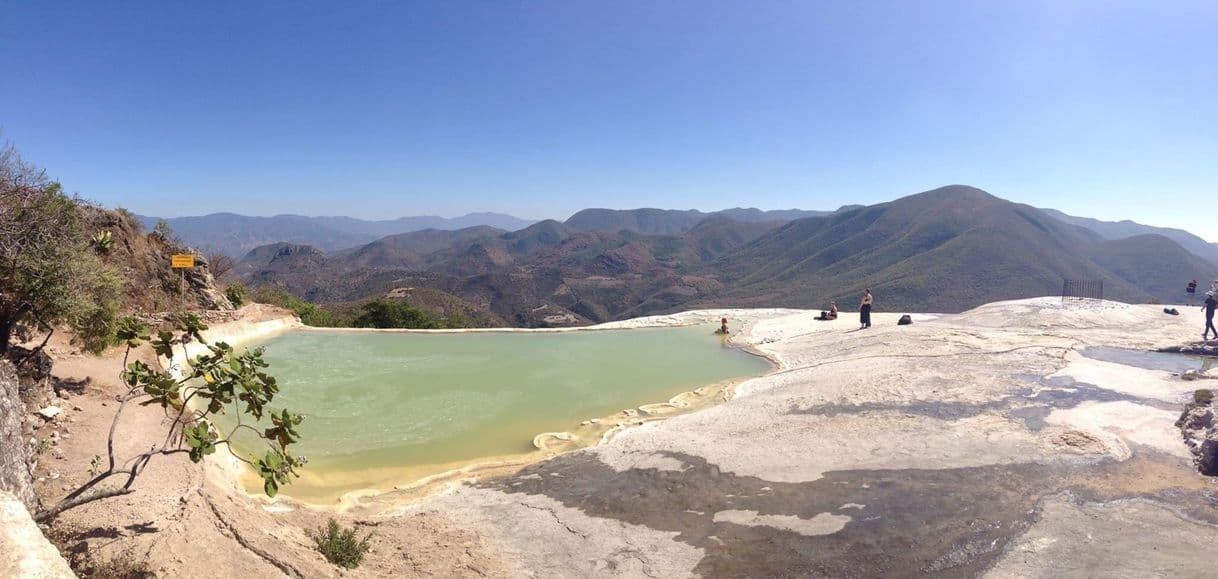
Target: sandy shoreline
(397, 492)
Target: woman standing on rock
(865, 310)
(1211, 303)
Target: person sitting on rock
(829, 315)
(723, 328)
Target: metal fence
(1082, 289)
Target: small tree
(219, 263)
(217, 382)
(391, 314)
(237, 294)
(49, 270)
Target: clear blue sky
(381, 109)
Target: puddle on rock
(1147, 360)
(1030, 405)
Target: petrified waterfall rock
(1200, 431)
(1207, 454)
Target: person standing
(865, 311)
(1210, 305)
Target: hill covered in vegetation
(68, 263)
(944, 250)
(1124, 229)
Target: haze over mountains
(1126, 228)
(944, 250)
(235, 235)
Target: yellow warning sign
(182, 261)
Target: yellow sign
(185, 261)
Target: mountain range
(234, 235)
(1124, 229)
(944, 250)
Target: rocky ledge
(1201, 431)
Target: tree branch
(47, 515)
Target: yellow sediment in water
(389, 411)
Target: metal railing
(1082, 289)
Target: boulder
(1171, 311)
(1200, 430)
(50, 412)
(24, 550)
(905, 320)
(1207, 454)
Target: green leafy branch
(219, 381)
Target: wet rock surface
(946, 523)
(970, 445)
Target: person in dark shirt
(1210, 305)
(865, 311)
(1192, 287)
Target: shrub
(237, 294)
(103, 241)
(340, 546)
(129, 219)
(51, 274)
(310, 314)
(124, 565)
(391, 314)
(165, 232)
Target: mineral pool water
(383, 408)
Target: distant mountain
(673, 221)
(235, 235)
(409, 250)
(944, 250)
(1124, 229)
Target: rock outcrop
(24, 551)
(1209, 348)
(15, 475)
(1200, 431)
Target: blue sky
(382, 109)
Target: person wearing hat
(1210, 305)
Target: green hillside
(945, 250)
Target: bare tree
(219, 263)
